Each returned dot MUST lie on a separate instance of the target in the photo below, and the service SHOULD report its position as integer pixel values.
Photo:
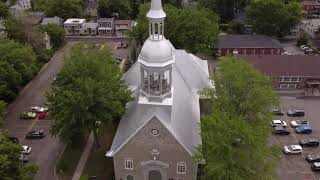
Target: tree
(17, 67)
(23, 30)
(237, 27)
(303, 39)
(63, 8)
(107, 8)
(280, 17)
(56, 34)
(182, 28)
(4, 10)
(88, 93)
(11, 168)
(2, 110)
(235, 133)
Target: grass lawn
(69, 161)
(98, 164)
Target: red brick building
(294, 72)
(248, 45)
(311, 8)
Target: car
(26, 150)
(309, 142)
(35, 134)
(280, 130)
(315, 166)
(28, 115)
(125, 45)
(14, 140)
(38, 109)
(302, 46)
(278, 123)
(303, 130)
(297, 123)
(24, 157)
(119, 45)
(277, 111)
(313, 158)
(292, 149)
(43, 115)
(296, 112)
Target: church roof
(182, 118)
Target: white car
(304, 48)
(278, 123)
(26, 150)
(292, 149)
(38, 109)
(297, 123)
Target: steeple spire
(156, 17)
(156, 11)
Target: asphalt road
(46, 151)
(295, 167)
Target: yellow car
(28, 115)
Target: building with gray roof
(248, 44)
(52, 20)
(157, 137)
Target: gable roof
(122, 22)
(310, 3)
(182, 118)
(247, 41)
(52, 20)
(284, 65)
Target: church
(157, 137)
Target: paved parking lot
(295, 167)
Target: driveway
(46, 151)
(295, 167)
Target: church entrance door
(154, 175)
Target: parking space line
(42, 126)
(31, 126)
(22, 125)
(297, 141)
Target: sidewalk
(84, 157)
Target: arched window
(129, 177)
(128, 164)
(156, 28)
(181, 168)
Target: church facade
(157, 137)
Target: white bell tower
(156, 60)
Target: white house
(25, 4)
(74, 26)
(311, 26)
(122, 26)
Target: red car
(43, 115)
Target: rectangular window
(128, 164)
(294, 79)
(292, 86)
(181, 168)
(286, 79)
(284, 86)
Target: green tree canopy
(63, 8)
(106, 8)
(11, 168)
(235, 133)
(4, 10)
(56, 34)
(88, 89)
(274, 17)
(224, 8)
(2, 111)
(22, 29)
(17, 67)
(182, 28)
